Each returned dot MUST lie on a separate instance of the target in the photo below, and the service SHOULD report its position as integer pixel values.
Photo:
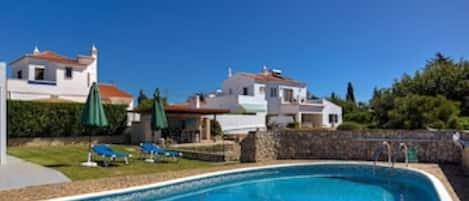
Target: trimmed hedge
(41, 119)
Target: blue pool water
(320, 182)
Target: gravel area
(97, 185)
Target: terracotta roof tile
(269, 77)
(109, 90)
(51, 56)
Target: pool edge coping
(441, 190)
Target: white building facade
(257, 100)
(48, 76)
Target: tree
(141, 97)
(416, 111)
(350, 97)
(146, 103)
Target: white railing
(251, 100)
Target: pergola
(3, 116)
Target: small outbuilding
(186, 124)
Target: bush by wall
(40, 119)
(348, 125)
(294, 124)
(215, 128)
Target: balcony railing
(43, 82)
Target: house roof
(269, 77)
(112, 91)
(52, 56)
(186, 109)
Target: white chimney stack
(230, 73)
(195, 101)
(93, 51)
(36, 50)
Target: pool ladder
(401, 148)
(385, 146)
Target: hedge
(41, 119)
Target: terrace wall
(346, 145)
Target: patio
(18, 173)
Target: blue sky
(186, 46)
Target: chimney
(230, 73)
(93, 51)
(195, 101)
(265, 70)
(36, 50)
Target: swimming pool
(293, 182)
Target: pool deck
(450, 175)
(18, 173)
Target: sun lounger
(156, 151)
(106, 152)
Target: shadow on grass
(56, 165)
(457, 180)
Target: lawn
(66, 159)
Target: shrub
(215, 128)
(348, 125)
(294, 124)
(39, 119)
(463, 122)
(360, 117)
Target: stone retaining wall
(347, 145)
(211, 157)
(46, 141)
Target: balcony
(43, 82)
(308, 106)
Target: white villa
(268, 98)
(48, 76)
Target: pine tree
(141, 97)
(350, 96)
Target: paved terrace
(18, 173)
(450, 175)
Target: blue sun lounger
(106, 152)
(155, 150)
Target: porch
(185, 125)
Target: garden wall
(346, 145)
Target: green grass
(66, 159)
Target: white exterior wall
(236, 123)
(74, 89)
(275, 106)
(22, 90)
(236, 83)
(3, 115)
(331, 108)
(240, 123)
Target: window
(19, 74)
(68, 72)
(230, 91)
(273, 92)
(245, 91)
(333, 118)
(39, 74)
(261, 90)
(288, 95)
